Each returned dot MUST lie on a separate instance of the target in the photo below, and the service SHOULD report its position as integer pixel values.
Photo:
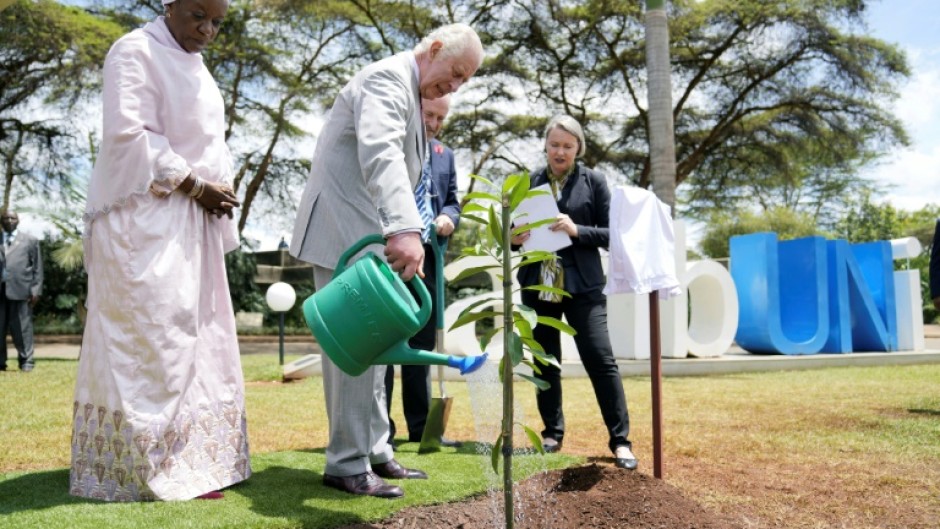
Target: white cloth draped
(642, 245)
(159, 407)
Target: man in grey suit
(366, 165)
(20, 287)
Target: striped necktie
(423, 199)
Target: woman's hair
(569, 125)
(457, 38)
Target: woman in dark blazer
(584, 202)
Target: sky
(913, 172)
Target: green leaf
(482, 179)
(470, 317)
(532, 259)
(511, 182)
(546, 288)
(496, 228)
(536, 193)
(525, 330)
(530, 225)
(519, 192)
(472, 251)
(480, 195)
(534, 438)
(533, 345)
(515, 348)
(487, 336)
(474, 218)
(472, 207)
(497, 448)
(472, 271)
(539, 254)
(557, 324)
(539, 383)
(544, 358)
(528, 314)
(533, 365)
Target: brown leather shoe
(365, 484)
(394, 470)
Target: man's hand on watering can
(405, 254)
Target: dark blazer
(444, 182)
(934, 272)
(586, 199)
(23, 264)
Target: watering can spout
(467, 364)
(402, 354)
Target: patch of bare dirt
(587, 497)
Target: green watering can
(365, 315)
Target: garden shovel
(439, 410)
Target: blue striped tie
(423, 199)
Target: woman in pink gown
(159, 410)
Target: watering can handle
(416, 282)
(356, 248)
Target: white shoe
(624, 458)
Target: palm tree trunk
(659, 96)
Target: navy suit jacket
(444, 182)
(586, 199)
(934, 272)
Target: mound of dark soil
(588, 497)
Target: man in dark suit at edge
(19, 291)
(445, 209)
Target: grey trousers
(357, 413)
(16, 318)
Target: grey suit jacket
(366, 164)
(22, 262)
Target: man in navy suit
(415, 381)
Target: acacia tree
(277, 63)
(759, 89)
(752, 81)
(280, 63)
(49, 61)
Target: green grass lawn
(769, 444)
(287, 431)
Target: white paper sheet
(537, 208)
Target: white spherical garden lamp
(280, 298)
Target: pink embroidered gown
(159, 410)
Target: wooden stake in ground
(656, 376)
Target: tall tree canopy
(49, 59)
(776, 101)
(761, 89)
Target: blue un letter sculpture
(811, 295)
